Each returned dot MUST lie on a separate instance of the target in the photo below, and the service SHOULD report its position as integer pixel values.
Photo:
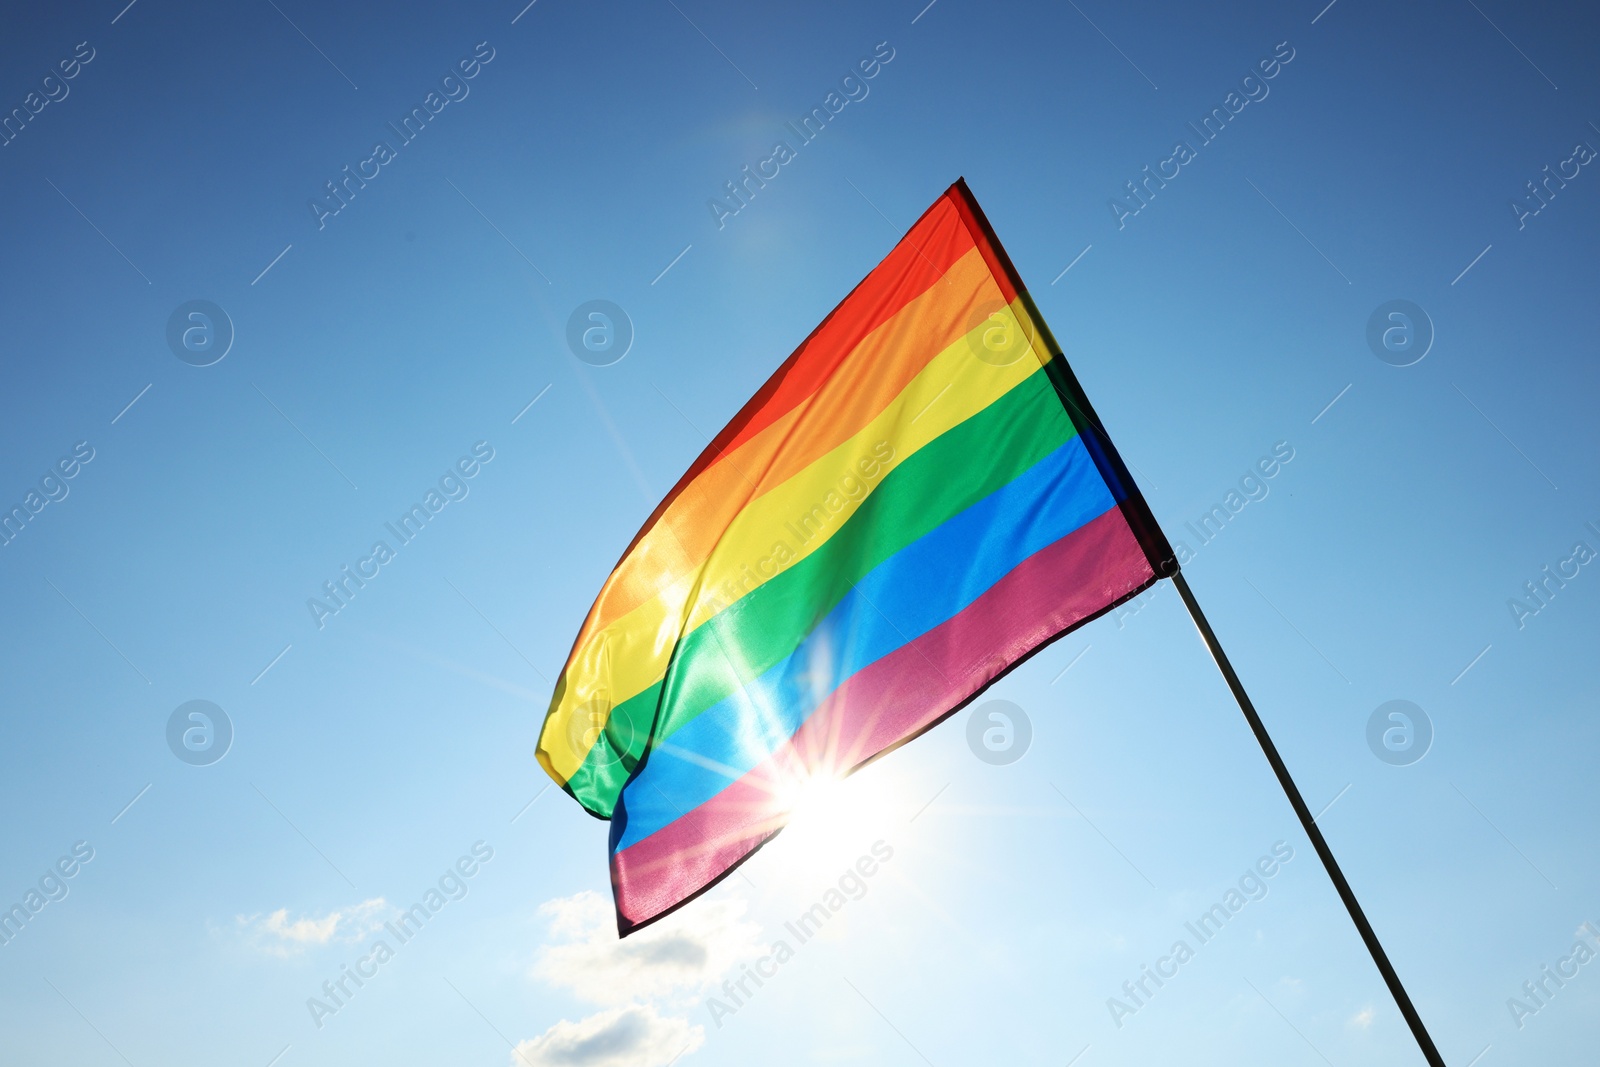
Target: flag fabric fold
(917, 500)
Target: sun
(831, 817)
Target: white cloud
(672, 960)
(635, 1036)
(275, 933)
(1362, 1019)
(680, 954)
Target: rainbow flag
(917, 500)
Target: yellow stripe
(631, 653)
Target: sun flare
(831, 817)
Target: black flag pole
(1309, 823)
(1163, 563)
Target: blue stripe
(918, 588)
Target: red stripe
(884, 705)
(916, 264)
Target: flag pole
(1309, 823)
(1164, 563)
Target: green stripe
(946, 476)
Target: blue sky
(381, 755)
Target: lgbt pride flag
(915, 502)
